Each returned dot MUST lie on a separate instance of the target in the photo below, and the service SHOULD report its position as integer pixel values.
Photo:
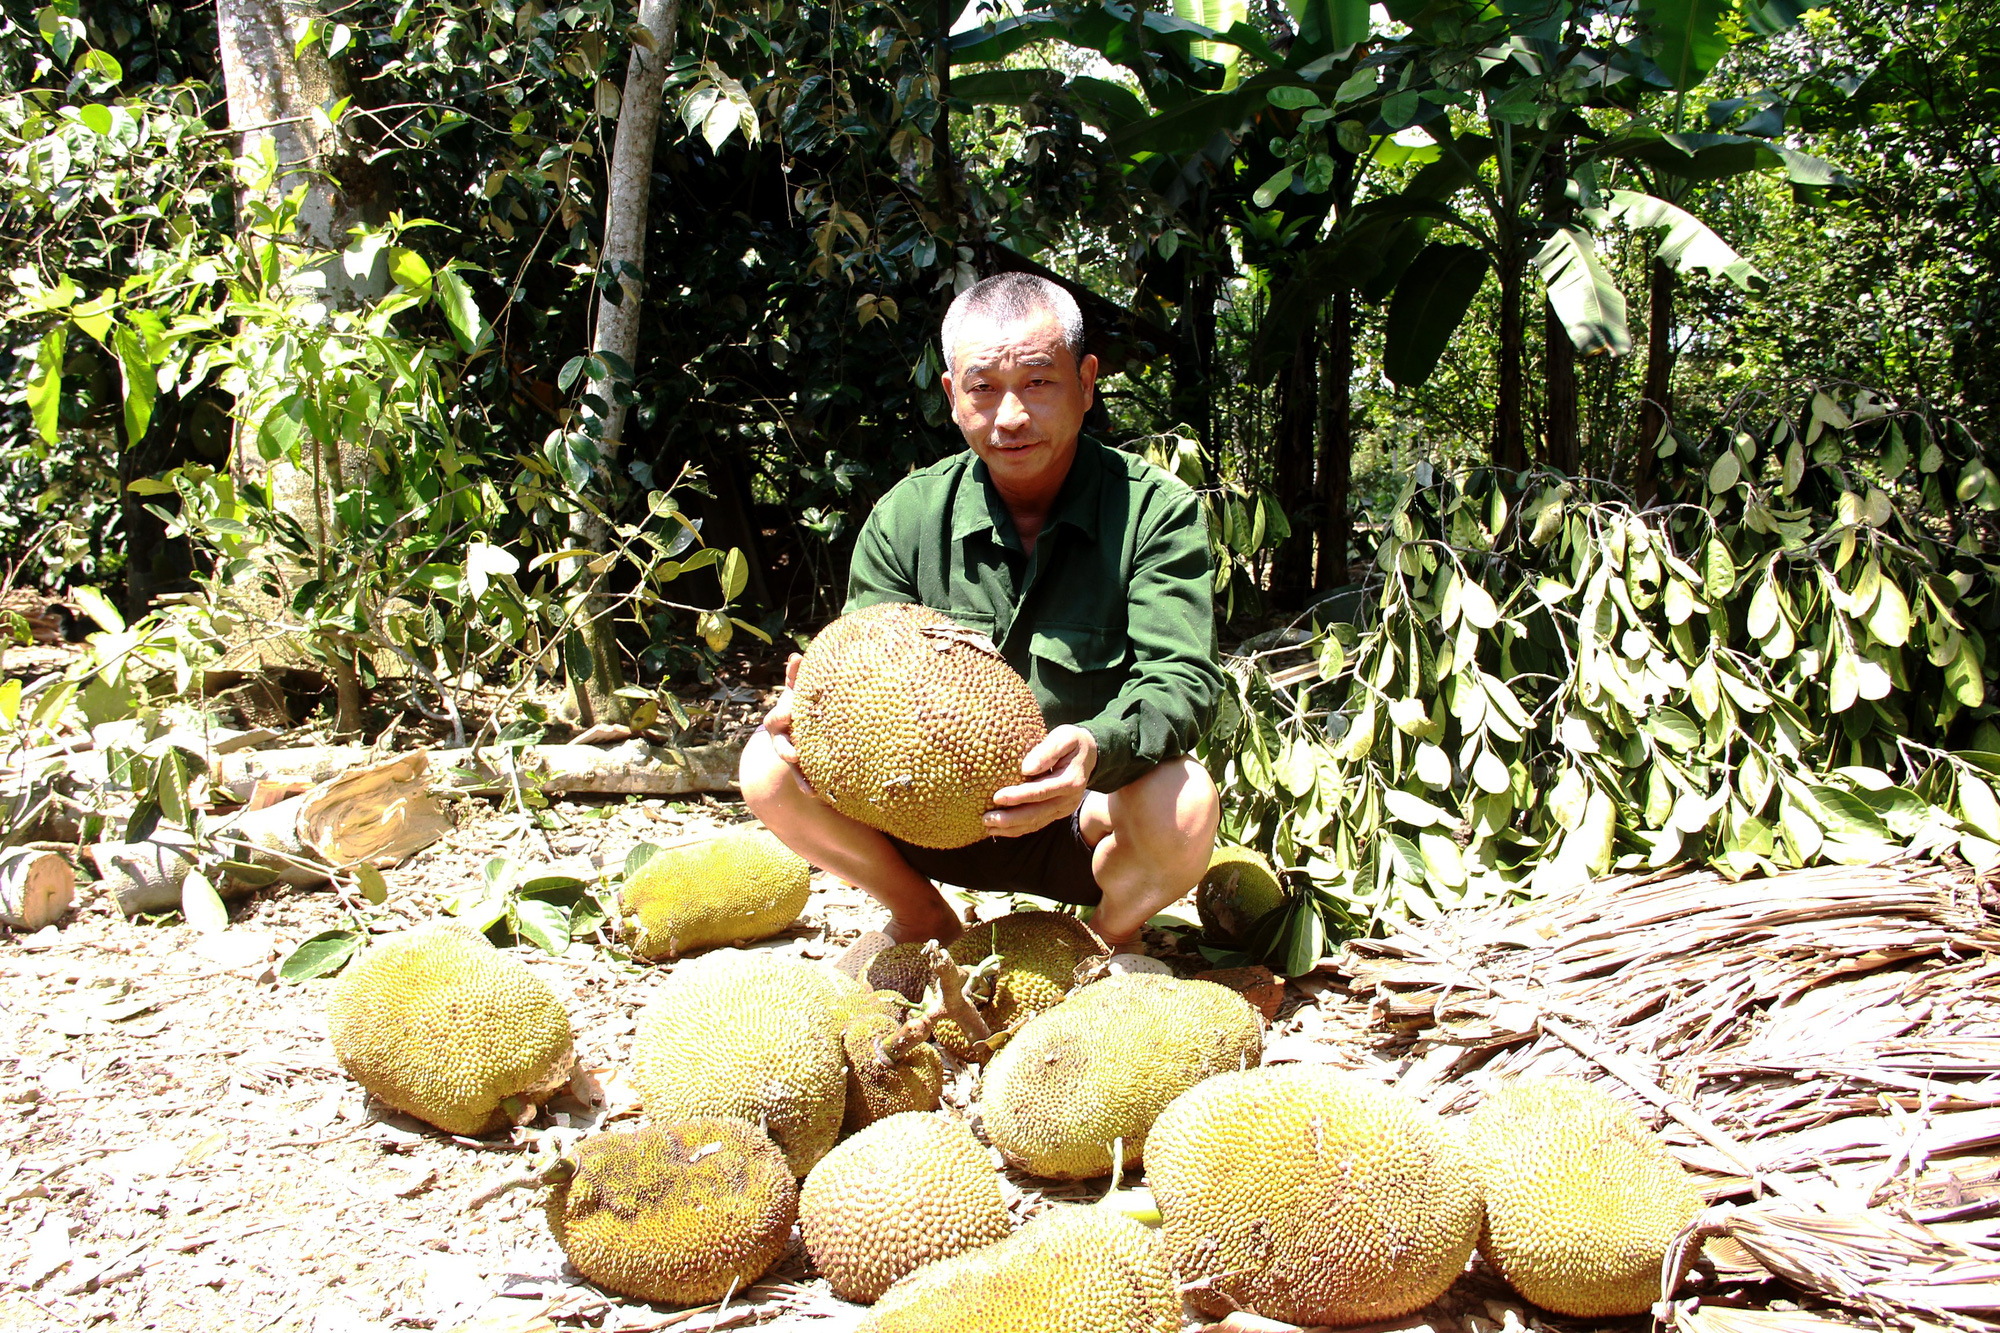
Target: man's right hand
(778, 722)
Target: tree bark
(1656, 406)
(1336, 442)
(593, 697)
(1296, 441)
(1509, 444)
(274, 84)
(1192, 360)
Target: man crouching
(1089, 570)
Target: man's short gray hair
(1006, 297)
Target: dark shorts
(1052, 862)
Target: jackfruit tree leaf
(323, 954)
(542, 923)
(373, 887)
(201, 905)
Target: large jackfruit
(1077, 1269)
(1237, 889)
(1581, 1200)
(1038, 953)
(755, 1037)
(909, 723)
(743, 885)
(904, 1192)
(437, 1022)
(677, 1212)
(1311, 1195)
(1101, 1066)
(882, 1081)
(900, 968)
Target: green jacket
(1110, 621)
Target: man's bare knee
(762, 776)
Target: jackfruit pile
(1037, 955)
(902, 1193)
(440, 1024)
(909, 723)
(681, 1211)
(1098, 1068)
(1078, 1269)
(1311, 1195)
(744, 885)
(1237, 889)
(1582, 1201)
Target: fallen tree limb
(633, 768)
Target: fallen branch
(634, 768)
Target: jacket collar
(979, 508)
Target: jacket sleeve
(878, 572)
(1174, 682)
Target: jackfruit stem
(953, 1002)
(555, 1173)
(913, 1032)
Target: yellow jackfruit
(755, 1037)
(1101, 1066)
(677, 1212)
(1038, 954)
(909, 723)
(1581, 1200)
(744, 885)
(1238, 887)
(439, 1023)
(904, 1192)
(879, 1084)
(1077, 1269)
(1311, 1195)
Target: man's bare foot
(916, 927)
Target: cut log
(36, 887)
(147, 876)
(634, 768)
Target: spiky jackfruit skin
(744, 885)
(440, 1024)
(909, 723)
(1582, 1200)
(1078, 1269)
(910, 1190)
(750, 1037)
(1101, 1066)
(900, 968)
(1311, 1195)
(913, 1083)
(1238, 887)
(676, 1212)
(1038, 954)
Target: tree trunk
(1192, 358)
(1656, 407)
(1336, 442)
(274, 84)
(1509, 444)
(1295, 445)
(944, 160)
(1562, 450)
(593, 696)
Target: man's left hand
(1058, 772)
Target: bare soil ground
(179, 1149)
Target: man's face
(1019, 397)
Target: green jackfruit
(744, 885)
(680, 1212)
(1076, 1269)
(439, 1023)
(1038, 952)
(909, 723)
(879, 1084)
(904, 1192)
(1099, 1067)
(1311, 1195)
(1582, 1201)
(1238, 887)
(754, 1037)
